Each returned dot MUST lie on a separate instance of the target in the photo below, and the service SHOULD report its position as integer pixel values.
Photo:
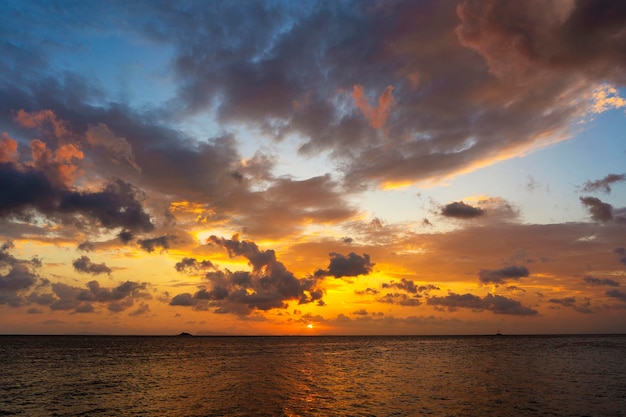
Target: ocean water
(313, 376)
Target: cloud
(500, 276)
(151, 244)
(125, 236)
(620, 295)
(563, 36)
(142, 310)
(603, 184)
(8, 149)
(81, 300)
(376, 116)
(409, 286)
(86, 246)
(284, 205)
(184, 299)
(191, 265)
(17, 276)
(367, 291)
(118, 147)
(352, 74)
(601, 281)
(573, 302)
(45, 121)
(399, 299)
(600, 211)
(606, 97)
(117, 205)
(449, 115)
(269, 285)
(460, 210)
(495, 303)
(84, 264)
(59, 165)
(351, 265)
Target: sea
(313, 376)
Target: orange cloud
(44, 120)
(66, 153)
(8, 149)
(59, 165)
(42, 156)
(376, 116)
(606, 97)
(414, 79)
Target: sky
(312, 167)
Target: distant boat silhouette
(498, 333)
(185, 334)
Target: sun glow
(309, 326)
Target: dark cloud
(86, 246)
(399, 299)
(269, 285)
(84, 264)
(603, 184)
(217, 293)
(367, 291)
(406, 97)
(620, 295)
(17, 276)
(583, 36)
(85, 308)
(14, 283)
(117, 205)
(388, 91)
(191, 265)
(116, 299)
(460, 210)
(619, 215)
(361, 312)
(601, 281)
(202, 299)
(184, 299)
(151, 244)
(404, 284)
(351, 265)
(573, 302)
(264, 74)
(409, 286)
(142, 310)
(500, 276)
(125, 236)
(124, 290)
(495, 303)
(600, 211)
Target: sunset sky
(312, 167)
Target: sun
(309, 326)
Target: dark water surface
(313, 376)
